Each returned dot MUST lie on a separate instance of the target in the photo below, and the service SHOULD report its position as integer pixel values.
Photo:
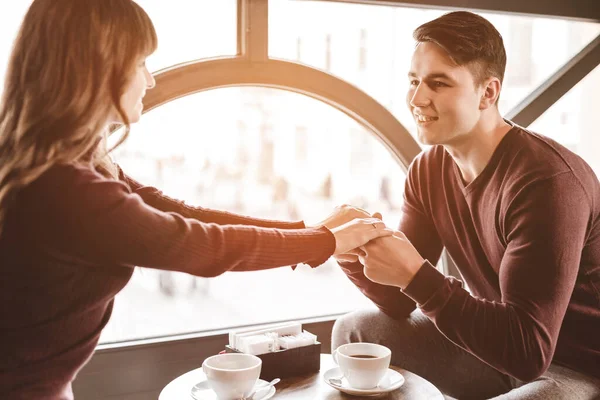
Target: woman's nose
(150, 81)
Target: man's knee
(346, 328)
(369, 325)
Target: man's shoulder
(538, 156)
(431, 168)
(430, 158)
(535, 160)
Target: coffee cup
(363, 364)
(232, 376)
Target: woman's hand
(342, 214)
(358, 232)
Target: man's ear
(491, 91)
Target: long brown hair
(71, 62)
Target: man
(520, 216)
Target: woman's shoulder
(65, 175)
(68, 183)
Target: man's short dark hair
(469, 40)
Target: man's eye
(438, 84)
(414, 82)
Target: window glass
(189, 30)
(371, 46)
(260, 152)
(574, 119)
(10, 20)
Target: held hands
(388, 256)
(358, 232)
(391, 260)
(341, 215)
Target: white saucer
(391, 381)
(201, 391)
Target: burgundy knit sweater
(70, 244)
(525, 235)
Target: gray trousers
(419, 347)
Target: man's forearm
(388, 299)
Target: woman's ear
(490, 93)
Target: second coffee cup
(363, 364)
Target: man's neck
(473, 154)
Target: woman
(73, 226)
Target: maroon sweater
(525, 235)
(70, 244)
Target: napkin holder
(288, 362)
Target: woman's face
(131, 100)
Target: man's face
(442, 97)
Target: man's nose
(419, 96)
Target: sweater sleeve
(389, 299)
(157, 199)
(545, 230)
(102, 223)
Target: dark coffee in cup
(363, 364)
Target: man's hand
(391, 260)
